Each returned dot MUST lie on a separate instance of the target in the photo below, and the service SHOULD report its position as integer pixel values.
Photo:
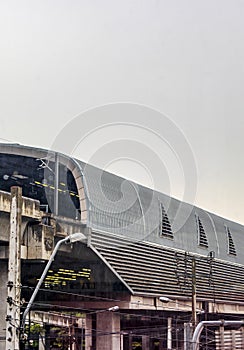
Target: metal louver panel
(166, 229)
(231, 245)
(202, 237)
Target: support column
(14, 273)
(145, 342)
(108, 331)
(127, 341)
(41, 345)
(88, 332)
(56, 184)
(194, 293)
(3, 304)
(187, 336)
(71, 337)
(169, 334)
(47, 336)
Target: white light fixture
(113, 308)
(165, 299)
(76, 237)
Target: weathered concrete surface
(30, 207)
(108, 331)
(3, 299)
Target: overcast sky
(183, 59)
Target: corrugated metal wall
(152, 269)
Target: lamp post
(75, 237)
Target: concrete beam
(30, 207)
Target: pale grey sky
(184, 59)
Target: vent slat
(231, 245)
(166, 229)
(202, 237)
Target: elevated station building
(146, 253)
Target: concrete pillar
(71, 338)
(108, 331)
(14, 274)
(88, 332)
(169, 334)
(127, 341)
(121, 342)
(3, 304)
(47, 337)
(187, 336)
(41, 343)
(145, 342)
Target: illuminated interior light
(21, 177)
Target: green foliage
(36, 328)
(61, 341)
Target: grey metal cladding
(123, 207)
(120, 206)
(153, 269)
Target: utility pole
(194, 293)
(56, 184)
(14, 271)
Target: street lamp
(165, 299)
(113, 308)
(110, 309)
(75, 237)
